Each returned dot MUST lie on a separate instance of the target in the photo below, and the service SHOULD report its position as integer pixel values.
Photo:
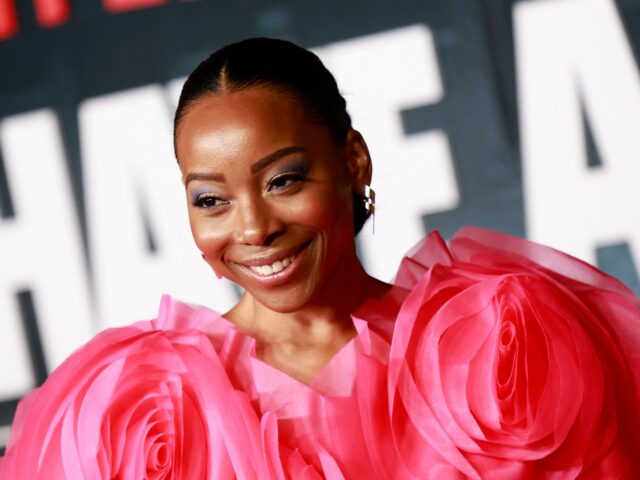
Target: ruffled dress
(491, 357)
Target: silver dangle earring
(369, 198)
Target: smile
(275, 267)
(275, 272)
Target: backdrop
(516, 116)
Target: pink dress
(491, 358)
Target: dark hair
(283, 66)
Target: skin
(264, 180)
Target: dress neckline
(375, 318)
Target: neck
(303, 341)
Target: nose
(255, 222)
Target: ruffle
(445, 379)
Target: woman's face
(269, 194)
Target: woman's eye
(209, 201)
(283, 181)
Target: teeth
(275, 267)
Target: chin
(282, 302)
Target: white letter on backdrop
(571, 52)
(41, 250)
(132, 180)
(380, 75)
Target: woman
(273, 174)
(489, 358)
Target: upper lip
(270, 258)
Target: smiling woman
(489, 358)
(270, 206)
(273, 173)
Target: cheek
(325, 208)
(209, 239)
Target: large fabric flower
(141, 402)
(513, 360)
(153, 401)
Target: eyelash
(200, 201)
(289, 178)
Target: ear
(359, 167)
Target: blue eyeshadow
(195, 194)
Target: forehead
(262, 108)
(251, 123)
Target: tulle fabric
(514, 360)
(491, 357)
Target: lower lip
(279, 278)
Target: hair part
(279, 65)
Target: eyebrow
(272, 157)
(255, 168)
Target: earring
(369, 198)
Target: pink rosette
(284, 462)
(514, 360)
(141, 402)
